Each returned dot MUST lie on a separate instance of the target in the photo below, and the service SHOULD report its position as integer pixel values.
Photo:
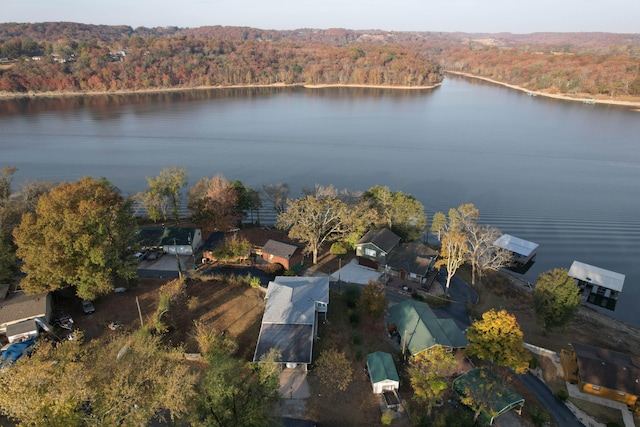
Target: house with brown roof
(604, 373)
(21, 315)
(413, 261)
(374, 248)
(287, 254)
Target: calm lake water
(562, 174)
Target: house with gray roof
(418, 328)
(183, 240)
(290, 320)
(21, 315)
(375, 246)
(287, 254)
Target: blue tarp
(15, 351)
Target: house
(287, 254)
(418, 328)
(413, 261)
(171, 240)
(496, 397)
(21, 315)
(598, 286)
(290, 320)
(382, 372)
(375, 246)
(523, 251)
(604, 373)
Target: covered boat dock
(598, 286)
(523, 251)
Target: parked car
(140, 255)
(87, 307)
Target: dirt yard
(229, 308)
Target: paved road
(460, 293)
(558, 410)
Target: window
(370, 252)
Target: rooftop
(383, 238)
(597, 276)
(292, 300)
(516, 245)
(608, 368)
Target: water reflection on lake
(561, 174)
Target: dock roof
(516, 245)
(597, 276)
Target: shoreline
(35, 95)
(551, 95)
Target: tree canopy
(162, 198)
(555, 299)
(80, 235)
(497, 338)
(315, 220)
(401, 213)
(429, 371)
(213, 203)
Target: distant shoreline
(577, 98)
(13, 95)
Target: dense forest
(70, 57)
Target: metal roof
(381, 367)
(597, 276)
(422, 329)
(292, 300)
(294, 342)
(516, 245)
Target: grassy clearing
(601, 413)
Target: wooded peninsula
(64, 58)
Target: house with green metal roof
(382, 372)
(483, 392)
(419, 329)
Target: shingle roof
(21, 306)
(381, 367)
(383, 238)
(609, 369)
(422, 329)
(413, 257)
(294, 342)
(159, 236)
(279, 249)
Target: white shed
(382, 372)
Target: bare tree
(483, 254)
(276, 194)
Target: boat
(589, 101)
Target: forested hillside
(70, 57)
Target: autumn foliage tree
(429, 371)
(212, 202)
(497, 339)
(80, 235)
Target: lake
(562, 174)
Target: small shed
(523, 250)
(382, 372)
(287, 254)
(598, 286)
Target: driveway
(558, 410)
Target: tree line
(171, 57)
